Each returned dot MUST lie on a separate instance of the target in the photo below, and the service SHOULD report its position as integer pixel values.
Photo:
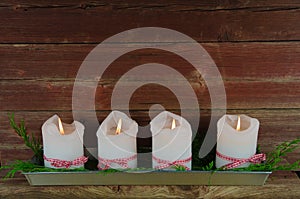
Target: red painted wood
(75, 25)
(155, 4)
(269, 61)
(48, 95)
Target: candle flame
(60, 127)
(173, 124)
(119, 126)
(238, 126)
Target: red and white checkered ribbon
(65, 163)
(123, 162)
(235, 162)
(166, 163)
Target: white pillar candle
(171, 141)
(236, 139)
(63, 144)
(117, 148)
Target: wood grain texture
(283, 185)
(156, 4)
(48, 95)
(270, 69)
(90, 24)
(252, 61)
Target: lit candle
(117, 142)
(237, 139)
(171, 141)
(63, 144)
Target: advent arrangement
(236, 151)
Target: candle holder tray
(148, 178)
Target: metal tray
(148, 178)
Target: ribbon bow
(65, 163)
(166, 163)
(123, 162)
(235, 162)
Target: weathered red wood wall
(255, 44)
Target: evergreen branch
(30, 141)
(25, 166)
(275, 159)
(179, 168)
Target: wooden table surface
(279, 185)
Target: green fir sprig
(30, 141)
(276, 159)
(209, 167)
(25, 166)
(179, 168)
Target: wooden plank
(18, 153)
(48, 95)
(93, 25)
(276, 186)
(266, 61)
(156, 4)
